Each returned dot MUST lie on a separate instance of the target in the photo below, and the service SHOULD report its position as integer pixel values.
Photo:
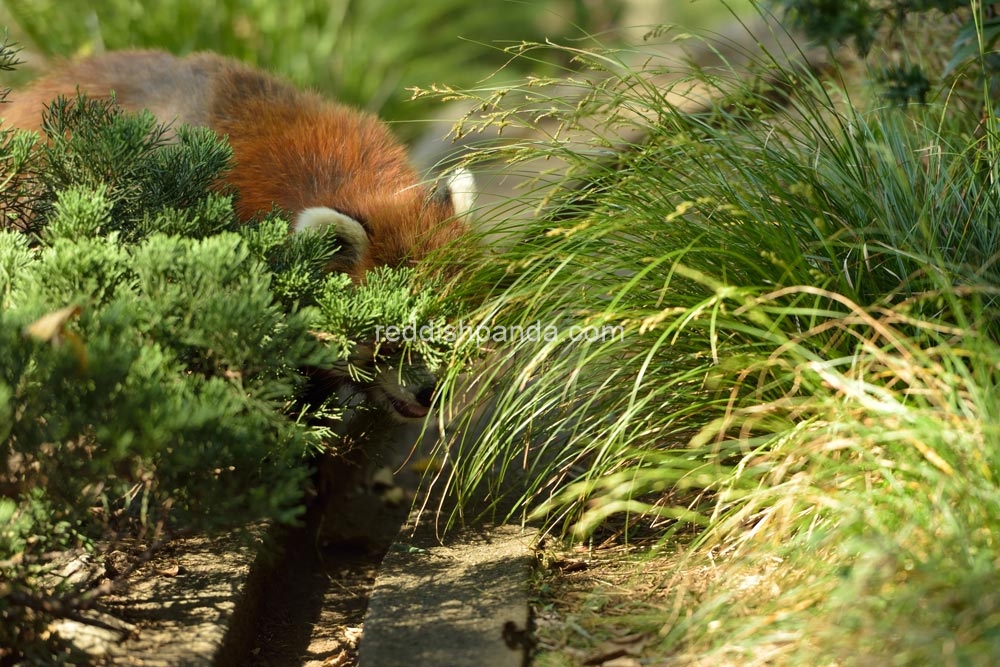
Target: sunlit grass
(806, 366)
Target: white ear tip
(349, 231)
(320, 216)
(462, 186)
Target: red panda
(322, 162)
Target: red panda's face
(396, 230)
(393, 231)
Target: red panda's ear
(351, 236)
(459, 189)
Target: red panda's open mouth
(407, 401)
(408, 409)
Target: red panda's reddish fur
(291, 149)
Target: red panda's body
(321, 161)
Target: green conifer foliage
(151, 347)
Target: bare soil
(313, 608)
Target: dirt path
(313, 609)
(312, 605)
